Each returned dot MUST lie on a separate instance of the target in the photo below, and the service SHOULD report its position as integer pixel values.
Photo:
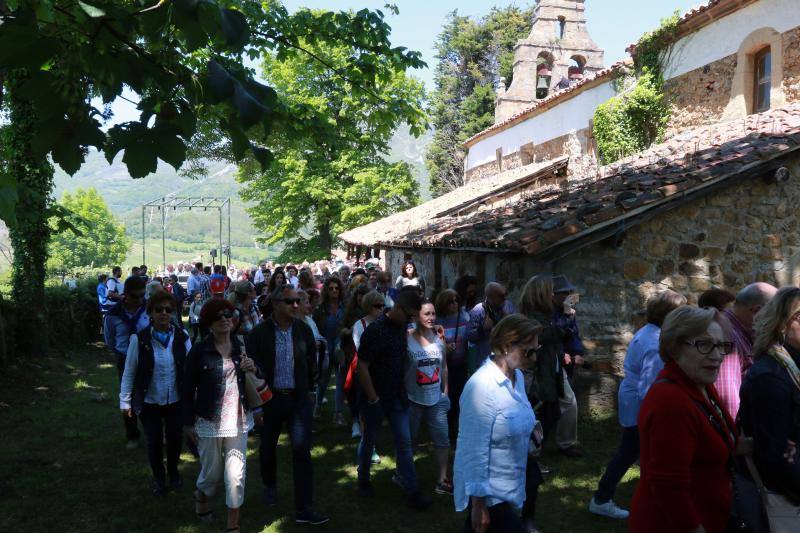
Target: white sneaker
(356, 434)
(609, 509)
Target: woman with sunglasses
(216, 416)
(494, 431)
(151, 385)
(426, 387)
(328, 317)
(455, 321)
(688, 440)
(770, 407)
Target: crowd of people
(709, 405)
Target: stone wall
(699, 97)
(481, 171)
(791, 65)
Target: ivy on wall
(636, 119)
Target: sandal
(208, 515)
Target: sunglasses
(169, 310)
(378, 306)
(225, 314)
(705, 346)
(333, 288)
(290, 301)
(530, 352)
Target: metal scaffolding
(186, 202)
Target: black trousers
(158, 421)
(626, 455)
(131, 422)
(296, 415)
(533, 479)
(456, 379)
(502, 519)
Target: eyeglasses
(169, 310)
(378, 306)
(333, 288)
(290, 301)
(706, 346)
(225, 314)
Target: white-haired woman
(687, 437)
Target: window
(763, 80)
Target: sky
(613, 24)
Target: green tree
(62, 62)
(100, 239)
(318, 187)
(472, 57)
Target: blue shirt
(102, 296)
(163, 387)
(476, 335)
(117, 332)
(284, 358)
(494, 430)
(642, 365)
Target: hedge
(74, 318)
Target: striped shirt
(734, 365)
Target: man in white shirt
(114, 287)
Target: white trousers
(567, 428)
(223, 457)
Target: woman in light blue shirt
(495, 426)
(642, 365)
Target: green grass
(65, 468)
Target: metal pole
(219, 211)
(163, 237)
(143, 238)
(229, 232)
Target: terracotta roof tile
(542, 219)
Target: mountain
(192, 234)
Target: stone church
(715, 204)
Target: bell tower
(558, 52)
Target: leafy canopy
(473, 54)
(97, 239)
(319, 186)
(183, 60)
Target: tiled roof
(461, 199)
(688, 165)
(552, 99)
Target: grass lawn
(65, 468)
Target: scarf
(781, 355)
(162, 336)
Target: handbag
(783, 516)
(256, 391)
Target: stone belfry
(558, 52)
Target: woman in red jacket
(687, 439)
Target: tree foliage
(62, 63)
(97, 240)
(318, 187)
(472, 57)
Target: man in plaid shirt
(748, 302)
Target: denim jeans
(626, 455)
(398, 415)
(324, 378)
(435, 417)
(296, 414)
(158, 421)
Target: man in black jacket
(285, 350)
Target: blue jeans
(397, 414)
(626, 455)
(435, 417)
(296, 414)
